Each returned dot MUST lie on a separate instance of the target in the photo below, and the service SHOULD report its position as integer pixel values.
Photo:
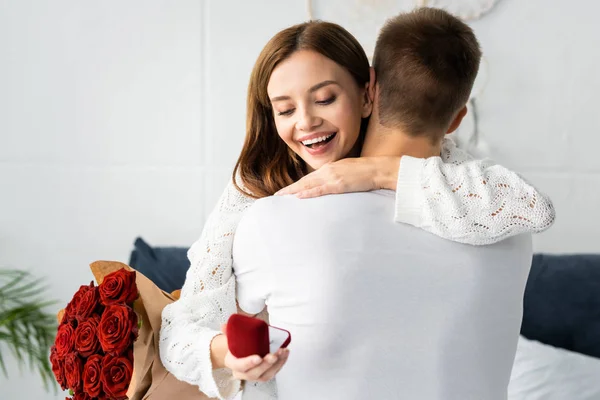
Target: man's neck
(390, 142)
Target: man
(379, 310)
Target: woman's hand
(252, 368)
(347, 175)
(255, 368)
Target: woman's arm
(190, 324)
(470, 201)
(453, 196)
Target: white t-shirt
(377, 309)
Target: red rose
(64, 340)
(86, 336)
(73, 368)
(92, 370)
(118, 329)
(88, 302)
(58, 368)
(71, 309)
(118, 287)
(116, 375)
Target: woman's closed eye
(326, 101)
(285, 112)
(290, 111)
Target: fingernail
(256, 360)
(271, 359)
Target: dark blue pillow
(562, 302)
(165, 266)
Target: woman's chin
(315, 164)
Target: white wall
(120, 119)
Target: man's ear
(372, 83)
(457, 120)
(367, 105)
(369, 95)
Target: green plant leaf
(27, 329)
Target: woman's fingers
(255, 372)
(271, 372)
(264, 371)
(344, 176)
(241, 365)
(305, 183)
(318, 191)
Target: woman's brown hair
(266, 164)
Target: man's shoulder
(522, 244)
(326, 212)
(271, 204)
(338, 203)
(266, 209)
(274, 208)
(522, 241)
(515, 249)
(293, 201)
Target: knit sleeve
(207, 300)
(469, 201)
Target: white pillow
(543, 372)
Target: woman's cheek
(346, 116)
(337, 115)
(285, 131)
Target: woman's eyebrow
(321, 85)
(311, 90)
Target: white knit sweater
(452, 196)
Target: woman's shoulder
(235, 194)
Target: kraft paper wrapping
(150, 378)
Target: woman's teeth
(318, 140)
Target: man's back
(378, 309)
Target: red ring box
(247, 336)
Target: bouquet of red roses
(92, 355)
(107, 344)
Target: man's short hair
(425, 62)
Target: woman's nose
(308, 121)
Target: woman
(307, 108)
